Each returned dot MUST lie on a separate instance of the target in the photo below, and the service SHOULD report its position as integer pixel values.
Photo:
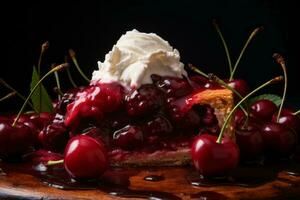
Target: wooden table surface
(16, 183)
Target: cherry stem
(280, 60)
(220, 82)
(69, 73)
(55, 162)
(57, 91)
(73, 57)
(9, 95)
(254, 32)
(274, 80)
(297, 112)
(71, 78)
(17, 93)
(57, 84)
(44, 47)
(57, 68)
(195, 69)
(224, 45)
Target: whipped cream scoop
(135, 57)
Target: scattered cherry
(211, 158)
(263, 109)
(287, 118)
(85, 158)
(41, 119)
(239, 85)
(15, 141)
(278, 138)
(250, 141)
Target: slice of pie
(144, 126)
(144, 105)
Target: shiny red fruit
(263, 109)
(41, 119)
(250, 141)
(85, 157)
(211, 158)
(278, 138)
(14, 141)
(240, 85)
(287, 118)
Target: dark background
(91, 29)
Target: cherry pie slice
(150, 126)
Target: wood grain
(16, 184)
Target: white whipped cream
(137, 56)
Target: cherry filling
(162, 115)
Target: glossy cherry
(278, 138)
(14, 141)
(263, 109)
(240, 85)
(239, 116)
(211, 158)
(25, 119)
(85, 157)
(54, 137)
(41, 119)
(287, 118)
(250, 141)
(172, 86)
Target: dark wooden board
(17, 184)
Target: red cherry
(41, 119)
(85, 157)
(239, 116)
(250, 141)
(25, 119)
(211, 158)
(200, 82)
(278, 138)
(14, 141)
(287, 118)
(172, 86)
(239, 85)
(263, 109)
